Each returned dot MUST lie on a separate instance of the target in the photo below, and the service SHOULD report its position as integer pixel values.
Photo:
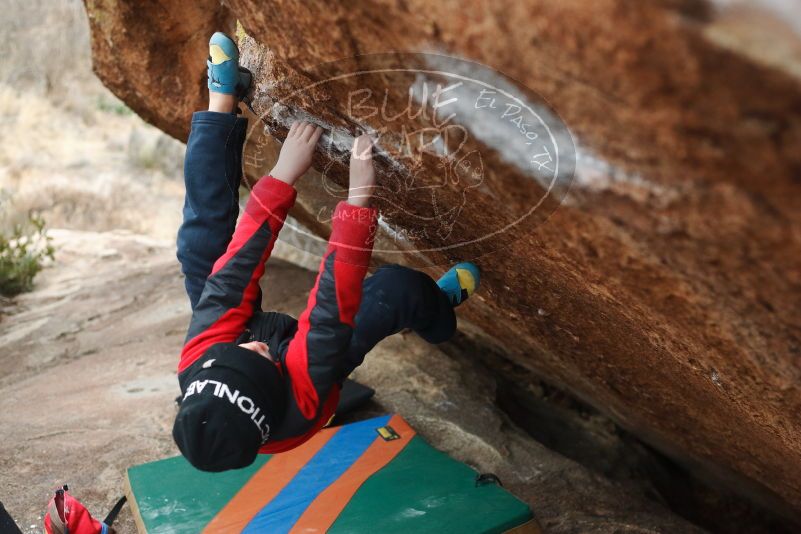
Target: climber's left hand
(296, 153)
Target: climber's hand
(296, 154)
(362, 173)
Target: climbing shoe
(460, 282)
(224, 73)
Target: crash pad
(375, 475)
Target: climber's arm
(314, 356)
(231, 291)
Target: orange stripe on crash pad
(265, 485)
(325, 509)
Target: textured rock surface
(665, 290)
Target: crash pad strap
(264, 486)
(325, 509)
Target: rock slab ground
(87, 389)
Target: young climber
(256, 381)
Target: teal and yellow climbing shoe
(460, 282)
(225, 74)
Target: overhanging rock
(664, 290)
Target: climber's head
(232, 397)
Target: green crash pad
(370, 476)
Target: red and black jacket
(311, 361)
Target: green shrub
(22, 253)
(114, 106)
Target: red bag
(66, 515)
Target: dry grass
(46, 48)
(70, 150)
(96, 170)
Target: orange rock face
(659, 278)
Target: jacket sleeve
(314, 356)
(231, 291)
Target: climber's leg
(221, 103)
(396, 298)
(212, 171)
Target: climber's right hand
(362, 173)
(296, 153)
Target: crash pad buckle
(387, 433)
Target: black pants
(396, 298)
(393, 299)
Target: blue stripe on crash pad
(344, 448)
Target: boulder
(656, 278)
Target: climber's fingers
(362, 148)
(303, 131)
(316, 132)
(308, 130)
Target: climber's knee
(398, 283)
